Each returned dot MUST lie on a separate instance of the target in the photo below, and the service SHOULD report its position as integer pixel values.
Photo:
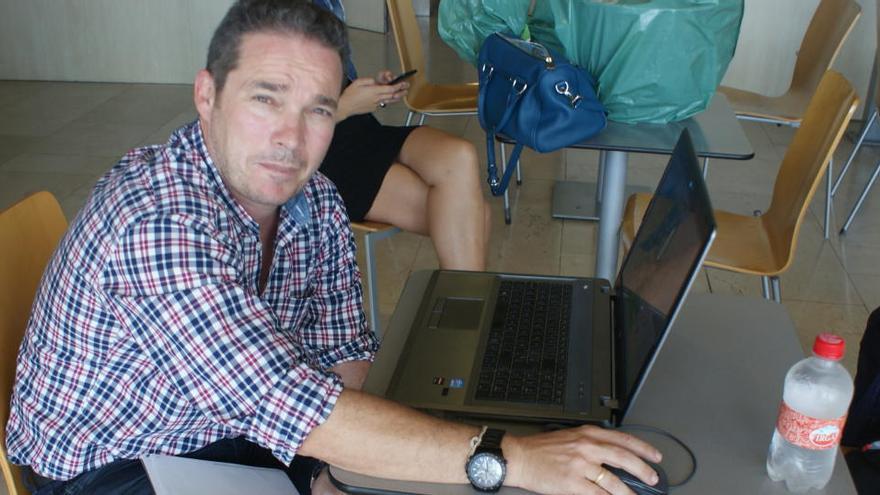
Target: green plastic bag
(464, 24)
(656, 61)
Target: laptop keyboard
(526, 353)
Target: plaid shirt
(149, 335)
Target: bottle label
(808, 432)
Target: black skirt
(359, 156)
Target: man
(206, 303)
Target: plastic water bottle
(811, 417)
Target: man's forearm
(373, 436)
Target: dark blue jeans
(128, 477)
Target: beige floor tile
(780, 135)
(577, 265)
(725, 282)
(848, 321)
(143, 104)
(163, 133)
(701, 283)
(757, 175)
(758, 137)
(59, 164)
(52, 106)
(12, 92)
(859, 258)
(12, 146)
(531, 243)
(541, 166)
(816, 273)
(16, 185)
(579, 238)
(869, 289)
(98, 138)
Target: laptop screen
(665, 257)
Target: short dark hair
(282, 16)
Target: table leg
(613, 192)
(600, 176)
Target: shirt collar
(298, 208)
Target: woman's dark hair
(281, 16)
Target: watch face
(486, 471)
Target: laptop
(555, 349)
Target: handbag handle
(495, 185)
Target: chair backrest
(408, 38)
(823, 39)
(806, 161)
(29, 232)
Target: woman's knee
(462, 163)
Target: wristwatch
(486, 466)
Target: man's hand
(365, 94)
(570, 461)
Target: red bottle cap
(829, 346)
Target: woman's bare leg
(435, 189)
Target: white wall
(769, 41)
(106, 40)
(366, 14)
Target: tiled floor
(63, 136)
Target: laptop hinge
(612, 402)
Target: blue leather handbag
(535, 97)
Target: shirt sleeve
(175, 285)
(336, 329)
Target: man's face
(269, 128)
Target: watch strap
(491, 442)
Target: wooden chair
(871, 121)
(29, 232)
(822, 41)
(372, 232)
(765, 244)
(424, 97)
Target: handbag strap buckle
(563, 89)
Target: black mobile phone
(401, 77)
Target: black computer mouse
(641, 488)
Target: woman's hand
(366, 94)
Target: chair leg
(519, 172)
(422, 118)
(370, 239)
(600, 179)
(373, 298)
(765, 286)
(861, 199)
(409, 117)
(774, 287)
(855, 151)
(828, 174)
(506, 190)
(705, 167)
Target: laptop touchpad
(457, 313)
